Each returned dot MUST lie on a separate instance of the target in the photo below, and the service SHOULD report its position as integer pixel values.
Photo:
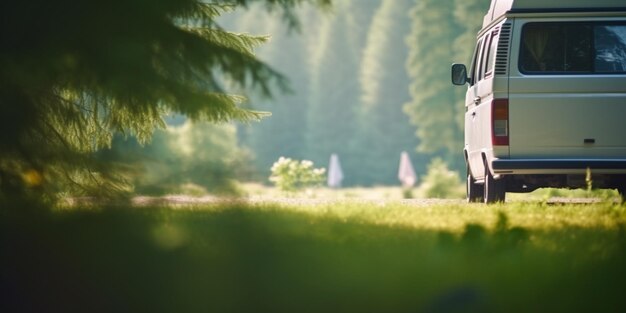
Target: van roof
(501, 7)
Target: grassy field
(342, 256)
(397, 193)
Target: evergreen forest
(368, 80)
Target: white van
(546, 102)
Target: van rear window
(585, 48)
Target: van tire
(622, 193)
(474, 190)
(494, 189)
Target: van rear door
(567, 92)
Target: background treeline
(369, 79)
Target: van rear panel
(567, 90)
(569, 117)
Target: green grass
(348, 256)
(397, 193)
(379, 192)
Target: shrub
(294, 175)
(441, 182)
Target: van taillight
(500, 122)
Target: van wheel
(474, 190)
(494, 190)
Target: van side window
(573, 48)
(485, 55)
(491, 55)
(474, 71)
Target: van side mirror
(459, 74)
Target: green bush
(441, 182)
(294, 175)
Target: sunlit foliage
(294, 175)
(440, 182)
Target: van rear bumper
(558, 166)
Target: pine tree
(386, 130)
(283, 133)
(359, 17)
(333, 94)
(433, 108)
(80, 71)
(468, 14)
